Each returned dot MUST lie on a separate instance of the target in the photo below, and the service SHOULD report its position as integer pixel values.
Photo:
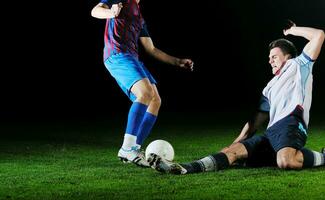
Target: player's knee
(285, 163)
(156, 100)
(145, 96)
(236, 151)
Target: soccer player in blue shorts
(286, 102)
(125, 27)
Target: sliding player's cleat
(165, 166)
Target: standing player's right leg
(130, 151)
(136, 82)
(149, 118)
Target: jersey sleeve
(306, 66)
(264, 105)
(304, 60)
(144, 31)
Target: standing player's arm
(315, 36)
(164, 57)
(102, 11)
(251, 126)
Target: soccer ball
(162, 148)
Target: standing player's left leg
(291, 158)
(149, 118)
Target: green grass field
(77, 160)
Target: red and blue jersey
(122, 33)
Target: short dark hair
(286, 46)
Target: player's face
(137, 1)
(277, 59)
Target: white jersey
(292, 87)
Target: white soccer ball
(162, 148)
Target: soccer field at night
(78, 160)
(84, 83)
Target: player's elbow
(93, 13)
(96, 13)
(151, 50)
(320, 35)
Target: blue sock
(145, 127)
(135, 118)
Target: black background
(52, 56)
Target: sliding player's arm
(252, 126)
(315, 37)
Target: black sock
(312, 158)
(210, 163)
(221, 160)
(308, 158)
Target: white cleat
(133, 155)
(162, 165)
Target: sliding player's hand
(287, 26)
(186, 63)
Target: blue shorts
(260, 152)
(127, 70)
(287, 132)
